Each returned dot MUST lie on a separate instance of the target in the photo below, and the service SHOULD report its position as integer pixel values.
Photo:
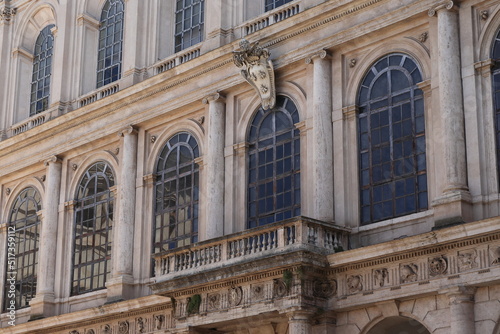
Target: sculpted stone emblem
(214, 301)
(106, 329)
(380, 277)
(324, 289)
(159, 320)
(123, 327)
(354, 283)
(495, 255)
(258, 70)
(279, 288)
(258, 292)
(140, 325)
(7, 13)
(235, 296)
(438, 265)
(467, 260)
(408, 273)
(90, 331)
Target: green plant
(193, 305)
(287, 278)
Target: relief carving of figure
(354, 283)
(495, 255)
(159, 319)
(381, 276)
(140, 325)
(258, 70)
(408, 273)
(467, 260)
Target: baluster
(254, 244)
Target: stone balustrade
(33, 121)
(294, 234)
(273, 16)
(98, 94)
(176, 59)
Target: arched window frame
(391, 137)
(189, 23)
(495, 76)
(272, 4)
(110, 48)
(23, 236)
(91, 257)
(42, 71)
(273, 165)
(177, 179)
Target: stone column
(123, 244)
(322, 136)
(214, 166)
(43, 304)
(299, 322)
(462, 319)
(451, 97)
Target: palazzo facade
(250, 166)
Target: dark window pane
(42, 69)
(189, 24)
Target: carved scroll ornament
(257, 70)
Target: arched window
(495, 56)
(92, 230)
(271, 4)
(22, 249)
(176, 194)
(42, 70)
(274, 164)
(109, 57)
(189, 22)
(391, 127)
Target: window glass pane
(23, 236)
(391, 141)
(92, 229)
(274, 188)
(42, 70)
(189, 24)
(109, 54)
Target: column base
(120, 288)
(42, 306)
(452, 208)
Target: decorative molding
(123, 327)
(321, 54)
(467, 260)
(88, 21)
(354, 284)
(159, 321)
(448, 4)
(153, 139)
(7, 14)
(214, 97)
(24, 53)
(235, 296)
(52, 159)
(438, 265)
(74, 167)
(483, 67)
(350, 112)
(7, 191)
(484, 14)
(380, 277)
(408, 273)
(257, 70)
(422, 38)
(352, 62)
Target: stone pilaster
(299, 322)
(462, 316)
(43, 304)
(455, 197)
(322, 136)
(119, 287)
(214, 166)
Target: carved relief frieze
(408, 272)
(438, 265)
(324, 288)
(214, 301)
(159, 321)
(257, 70)
(106, 329)
(380, 277)
(90, 331)
(354, 284)
(140, 324)
(494, 254)
(235, 296)
(123, 327)
(258, 292)
(467, 260)
(279, 288)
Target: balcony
(262, 247)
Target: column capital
(214, 97)
(128, 130)
(448, 5)
(321, 54)
(460, 294)
(52, 159)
